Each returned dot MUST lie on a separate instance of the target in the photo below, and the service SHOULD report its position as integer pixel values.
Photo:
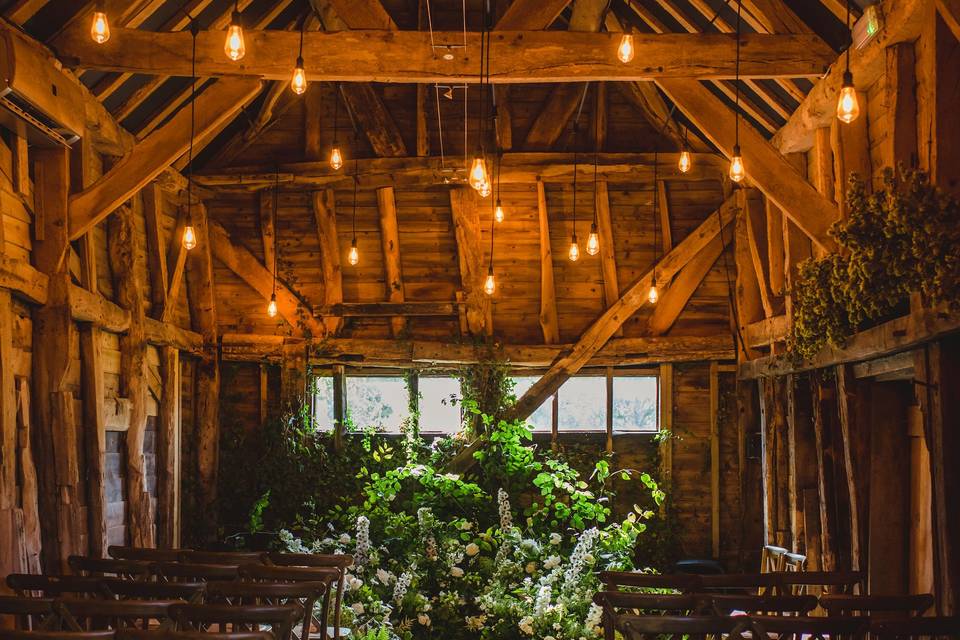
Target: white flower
(526, 625)
(531, 567)
(552, 562)
(466, 526)
(541, 604)
(579, 556)
(400, 589)
(362, 555)
(357, 608)
(456, 572)
(475, 623)
(472, 549)
(594, 618)
(555, 539)
(503, 504)
(424, 619)
(344, 538)
(384, 576)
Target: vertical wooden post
(466, 226)
(28, 481)
(824, 481)
(608, 377)
(264, 394)
(666, 424)
(920, 570)
(608, 260)
(851, 154)
(715, 458)
(390, 240)
(854, 431)
(747, 293)
(8, 441)
(748, 421)
(168, 450)
(340, 408)
(325, 214)
(293, 373)
(94, 426)
(548, 296)
(900, 105)
(938, 92)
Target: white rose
(345, 538)
(424, 619)
(466, 526)
(357, 608)
(472, 549)
(456, 572)
(555, 539)
(551, 563)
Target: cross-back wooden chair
(340, 562)
(95, 615)
(193, 572)
(28, 584)
(113, 567)
(303, 593)
(331, 577)
(136, 590)
(28, 614)
(905, 605)
(794, 562)
(809, 628)
(721, 604)
(617, 603)
(916, 628)
(740, 583)
(827, 582)
(231, 618)
(771, 558)
(147, 554)
(635, 627)
(682, 582)
(137, 634)
(223, 557)
(16, 634)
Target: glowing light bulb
(490, 284)
(478, 173)
(189, 237)
(353, 257)
(498, 212)
(234, 46)
(848, 107)
(593, 241)
(100, 28)
(685, 162)
(625, 51)
(336, 158)
(574, 252)
(485, 189)
(272, 307)
(653, 295)
(299, 81)
(737, 172)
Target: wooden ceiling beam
(514, 168)
(407, 56)
(950, 12)
(531, 14)
(390, 242)
(470, 256)
(325, 215)
(22, 10)
(635, 297)
(677, 293)
(155, 153)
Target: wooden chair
(828, 582)
(223, 557)
(741, 583)
(137, 634)
(303, 593)
(617, 603)
(721, 604)
(663, 627)
(136, 590)
(681, 582)
(904, 605)
(99, 567)
(771, 558)
(27, 584)
(192, 572)
(230, 618)
(809, 628)
(331, 577)
(12, 634)
(28, 614)
(340, 562)
(916, 628)
(794, 562)
(144, 553)
(95, 615)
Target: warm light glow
(100, 29)
(574, 253)
(354, 256)
(299, 81)
(485, 189)
(685, 161)
(625, 51)
(490, 284)
(478, 173)
(336, 159)
(653, 295)
(189, 237)
(737, 172)
(234, 46)
(498, 212)
(848, 107)
(272, 307)
(593, 241)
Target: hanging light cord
(849, 36)
(336, 110)
(276, 206)
(656, 208)
(736, 115)
(356, 180)
(596, 150)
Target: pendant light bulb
(574, 252)
(593, 241)
(653, 295)
(100, 27)
(737, 171)
(272, 307)
(498, 212)
(189, 237)
(478, 174)
(353, 257)
(848, 107)
(234, 46)
(626, 50)
(299, 81)
(336, 158)
(490, 284)
(685, 162)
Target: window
(635, 403)
(542, 418)
(377, 401)
(582, 404)
(438, 412)
(323, 413)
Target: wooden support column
(608, 258)
(749, 307)
(825, 484)
(293, 373)
(268, 234)
(390, 241)
(938, 93)
(168, 450)
(422, 108)
(549, 322)
(920, 574)
(853, 412)
(755, 222)
(156, 249)
(53, 335)
(340, 407)
(9, 513)
(466, 226)
(28, 482)
(203, 319)
(504, 124)
(666, 425)
(125, 252)
(751, 478)
(900, 105)
(176, 262)
(851, 155)
(715, 458)
(325, 214)
(94, 427)
(776, 257)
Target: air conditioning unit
(38, 101)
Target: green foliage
(899, 239)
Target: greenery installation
(900, 239)
(510, 550)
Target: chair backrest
(771, 558)
(223, 557)
(810, 628)
(92, 615)
(26, 613)
(90, 566)
(649, 627)
(721, 604)
(916, 628)
(340, 562)
(25, 584)
(796, 582)
(677, 604)
(229, 618)
(249, 593)
(193, 572)
(906, 604)
(794, 562)
(137, 590)
(144, 553)
(17, 634)
(741, 583)
(684, 582)
(137, 634)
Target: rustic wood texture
(390, 245)
(464, 206)
(549, 323)
(325, 213)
